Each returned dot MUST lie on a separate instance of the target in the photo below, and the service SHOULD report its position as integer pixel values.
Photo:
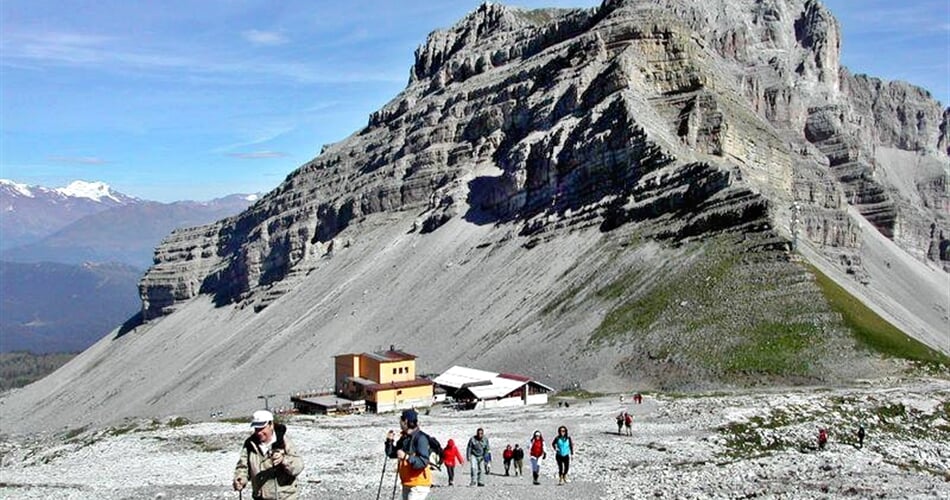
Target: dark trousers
(563, 464)
(450, 469)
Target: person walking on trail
(620, 423)
(412, 451)
(537, 453)
(506, 457)
(518, 456)
(628, 422)
(822, 438)
(451, 457)
(563, 449)
(268, 460)
(475, 453)
(861, 434)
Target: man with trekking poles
(269, 460)
(412, 451)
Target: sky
(177, 100)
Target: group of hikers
(412, 449)
(270, 463)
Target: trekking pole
(395, 482)
(382, 476)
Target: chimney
(392, 347)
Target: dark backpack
(436, 452)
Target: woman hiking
(452, 458)
(563, 449)
(536, 452)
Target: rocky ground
(713, 445)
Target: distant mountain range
(59, 293)
(28, 213)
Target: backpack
(436, 452)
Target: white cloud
(268, 38)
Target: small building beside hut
(385, 380)
(482, 389)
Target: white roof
(457, 376)
(499, 387)
(482, 384)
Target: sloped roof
(459, 376)
(483, 384)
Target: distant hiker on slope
(412, 451)
(506, 457)
(452, 458)
(628, 422)
(518, 457)
(563, 449)
(822, 438)
(475, 453)
(536, 451)
(620, 423)
(861, 434)
(269, 459)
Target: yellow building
(386, 380)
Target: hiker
(620, 423)
(412, 451)
(861, 436)
(628, 422)
(563, 449)
(506, 457)
(475, 453)
(638, 398)
(518, 456)
(537, 453)
(269, 460)
(452, 457)
(822, 438)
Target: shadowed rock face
(604, 111)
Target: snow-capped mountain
(29, 213)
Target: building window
(394, 371)
(399, 392)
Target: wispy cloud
(259, 155)
(268, 38)
(41, 49)
(77, 160)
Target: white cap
(261, 418)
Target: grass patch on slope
(873, 331)
(773, 348)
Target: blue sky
(191, 99)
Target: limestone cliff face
(685, 117)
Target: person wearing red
(451, 457)
(507, 456)
(536, 451)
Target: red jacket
(451, 455)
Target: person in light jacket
(475, 453)
(268, 460)
(563, 449)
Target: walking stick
(382, 476)
(395, 482)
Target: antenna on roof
(392, 347)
